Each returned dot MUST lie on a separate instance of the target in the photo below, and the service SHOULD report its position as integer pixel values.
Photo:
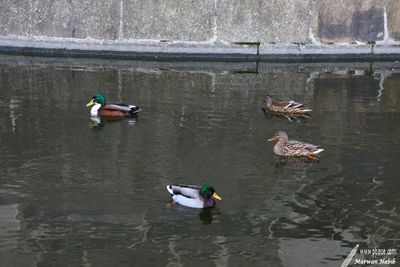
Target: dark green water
(73, 193)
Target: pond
(79, 192)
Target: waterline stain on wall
(166, 24)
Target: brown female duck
(285, 106)
(286, 147)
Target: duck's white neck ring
(95, 109)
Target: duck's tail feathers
(169, 188)
(294, 104)
(134, 109)
(319, 150)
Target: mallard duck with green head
(193, 196)
(103, 109)
(286, 147)
(285, 106)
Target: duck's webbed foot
(170, 203)
(312, 157)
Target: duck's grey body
(189, 196)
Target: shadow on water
(71, 197)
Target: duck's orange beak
(273, 138)
(216, 196)
(91, 103)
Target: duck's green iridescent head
(97, 98)
(207, 191)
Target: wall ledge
(202, 51)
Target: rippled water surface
(75, 192)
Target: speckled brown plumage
(286, 147)
(285, 106)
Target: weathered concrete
(75, 19)
(393, 19)
(207, 30)
(168, 20)
(341, 21)
(14, 18)
(263, 21)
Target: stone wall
(216, 23)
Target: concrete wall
(221, 23)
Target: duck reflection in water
(98, 123)
(206, 216)
(293, 162)
(290, 117)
